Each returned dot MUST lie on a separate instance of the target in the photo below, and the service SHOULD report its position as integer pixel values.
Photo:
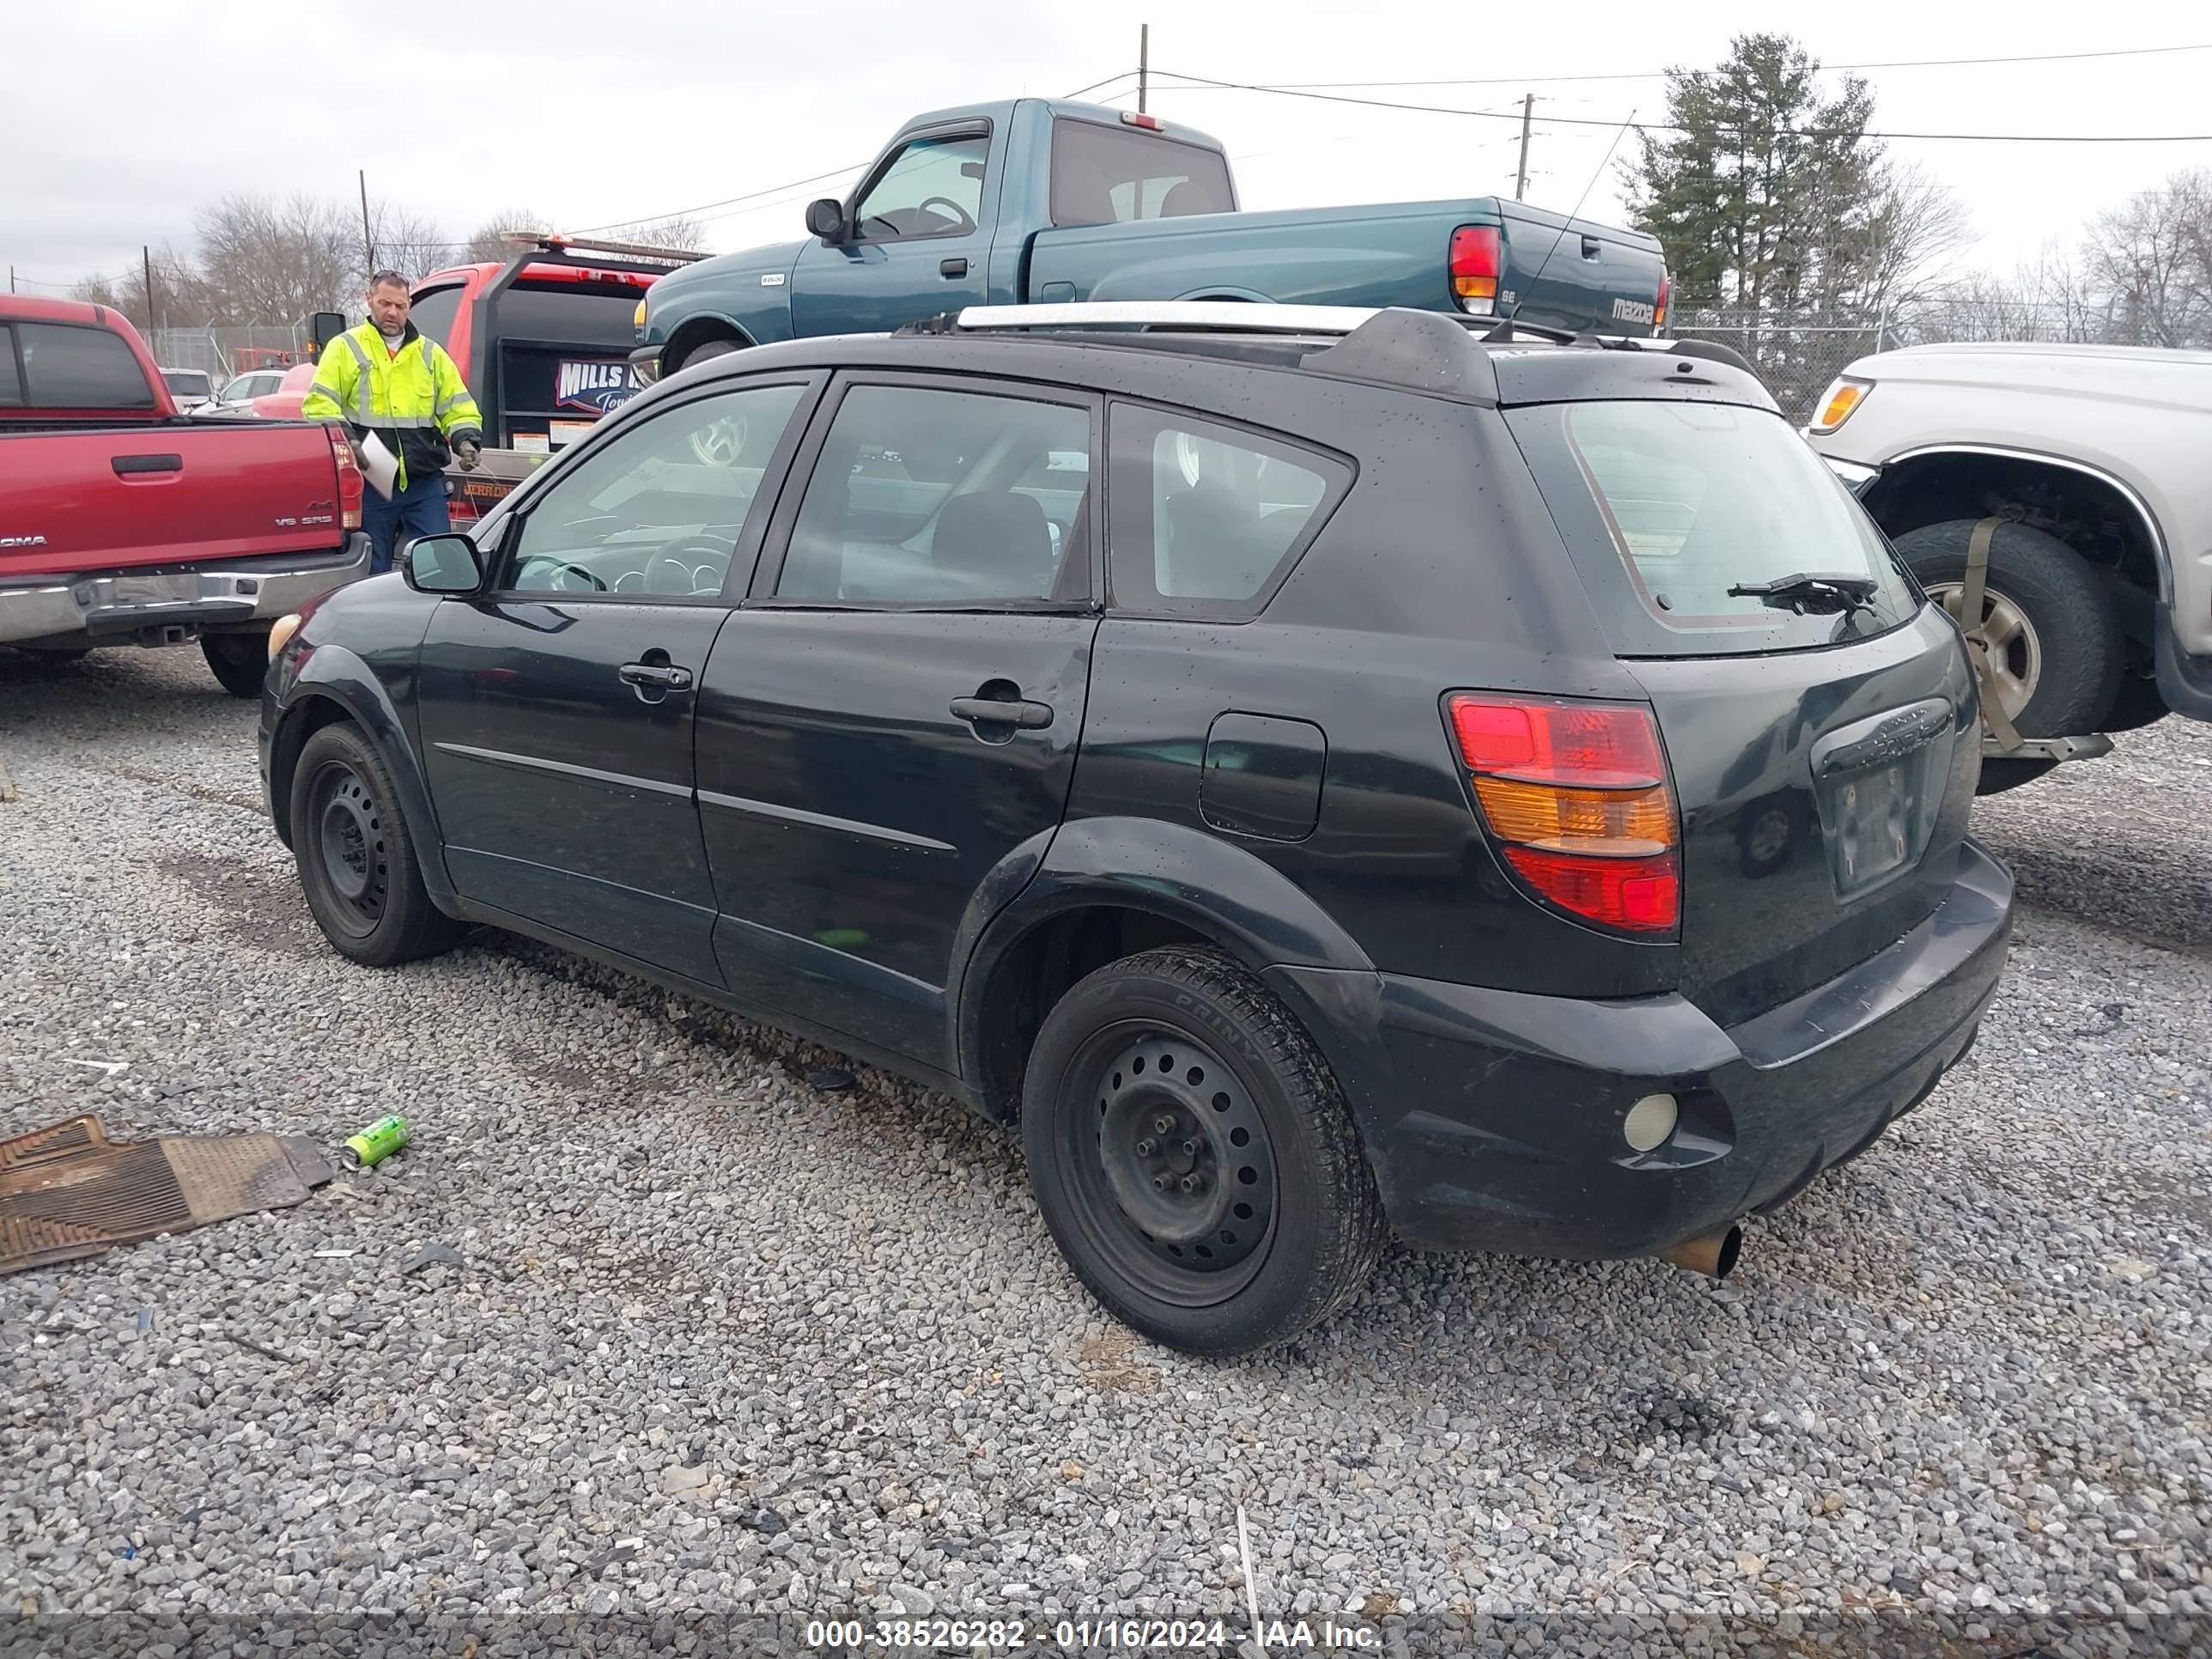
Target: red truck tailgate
(114, 497)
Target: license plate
(1875, 817)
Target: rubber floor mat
(67, 1190)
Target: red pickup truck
(123, 522)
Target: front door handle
(949, 268)
(665, 677)
(990, 711)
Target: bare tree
(2155, 256)
(182, 297)
(1918, 223)
(271, 261)
(405, 242)
(484, 241)
(687, 234)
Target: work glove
(467, 452)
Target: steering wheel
(674, 554)
(960, 215)
(562, 567)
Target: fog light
(1649, 1122)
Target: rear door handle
(124, 465)
(990, 711)
(665, 676)
(949, 268)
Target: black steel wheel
(356, 863)
(1217, 1205)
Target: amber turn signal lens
(280, 633)
(1844, 396)
(1619, 823)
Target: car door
(917, 244)
(556, 708)
(895, 709)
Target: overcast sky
(123, 120)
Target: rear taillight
(1478, 258)
(1666, 299)
(1577, 793)
(349, 485)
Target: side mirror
(826, 218)
(442, 564)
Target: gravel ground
(717, 1339)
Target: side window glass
(1206, 518)
(11, 384)
(933, 187)
(924, 497)
(657, 511)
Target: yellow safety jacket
(413, 399)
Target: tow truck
(542, 340)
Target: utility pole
(1528, 109)
(367, 241)
(1144, 64)
(11, 279)
(146, 255)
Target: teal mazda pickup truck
(1034, 201)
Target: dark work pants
(418, 510)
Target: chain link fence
(223, 352)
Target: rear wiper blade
(1808, 590)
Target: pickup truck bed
(1032, 202)
(123, 522)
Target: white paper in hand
(379, 465)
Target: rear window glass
(1206, 520)
(1671, 509)
(568, 313)
(432, 313)
(11, 384)
(186, 382)
(1108, 175)
(81, 368)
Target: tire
(2061, 666)
(356, 859)
(240, 661)
(1275, 1147)
(702, 352)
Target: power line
(1669, 126)
(795, 184)
(1661, 75)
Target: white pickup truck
(2088, 471)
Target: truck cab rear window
(71, 368)
(11, 383)
(1105, 175)
(1672, 508)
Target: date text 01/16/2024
(1016, 1635)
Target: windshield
(1672, 509)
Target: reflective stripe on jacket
(413, 399)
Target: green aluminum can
(376, 1143)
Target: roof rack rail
(1220, 316)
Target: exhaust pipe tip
(1714, 1255)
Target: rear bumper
(117, 607)
(1493, 1119)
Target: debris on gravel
(650, 1320)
